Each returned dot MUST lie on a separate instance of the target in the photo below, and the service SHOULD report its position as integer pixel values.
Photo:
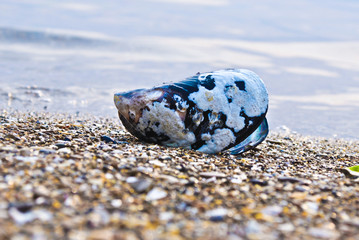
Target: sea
(72, 56)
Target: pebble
(139, 184)
(272, 211)
(60, 145)
(101, 234)
(310, 207)
(27, 159)
(258, 182)
(107, 139)
(165, 157)
(301, 189)
(286, 227)
(22, 218)
(116, 203)
(25, 152)
(217, 214)
(212, 174)
(170, 179)
(166, 216)
(156, 194)
(64, 150)
(320, 233)
(157, 163)
(288, 179)
(11, 136)
(253, 227)
(47, 151)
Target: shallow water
(72, 56)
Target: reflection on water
(87, 51)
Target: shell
(209, 112)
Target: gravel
(83, 177)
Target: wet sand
(83, 177)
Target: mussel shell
(209, 112)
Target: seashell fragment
(209, 112)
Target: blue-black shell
(209, 112)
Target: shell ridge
(252, 140)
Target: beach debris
(354, 168)
(352, 171)
(209, 112)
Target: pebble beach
(83, 177)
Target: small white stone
(322, 233)
(166, 216)
(212, 174)
(156, 194)
(64, 150)
(253, 227)
(286, 227)
(272, 210)
(27, 159)
(218, 212)
(310, 207)
(22, 218)
(157, 163)
(116, 203)
(131, 179)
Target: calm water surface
(71, 56)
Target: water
(71, 56)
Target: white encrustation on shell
(169, 122)
(218, 141)
(209, 112)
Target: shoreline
(85, 177)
